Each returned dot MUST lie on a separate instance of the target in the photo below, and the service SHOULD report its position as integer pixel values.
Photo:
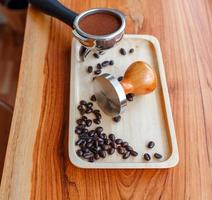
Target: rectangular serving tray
(147, 118)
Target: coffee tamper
(138, 79)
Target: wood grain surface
(37, 164)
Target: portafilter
(89, 42)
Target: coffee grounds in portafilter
(102, 23)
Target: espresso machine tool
(89, 42)
(139, 79)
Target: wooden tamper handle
(139, 79)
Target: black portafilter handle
(55, 9)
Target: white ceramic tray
(147, 118)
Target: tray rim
(172, 161)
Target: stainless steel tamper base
(110, 95)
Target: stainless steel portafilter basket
(89, 42)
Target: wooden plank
(37, 164)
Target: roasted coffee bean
(88, 122)
(89, 110)
(107, 147)
(98, 115)
(83, 145)
(105, 63)
(93, 98)
(101, 52)
(118, 141)
(117, 118)
(83, 102)
(89, 144)
(113, 144)
(102, 154)
(85, 150)
(80, 126)
(83, 136)
(80, 122)
(126, 155)
(122, 51)
(111, 62)
(96, 55)
(104, 136)
(89, 105)
(99, 129)
(96, 121)
(151, 144)
(100, 139)
(130, 96)
(98, 148)
(93, 150)
(84, 118)
(129, 148)
(84, 130)
(133, 153)
(147, 157)
(106, 141)
(120, 78)
(79, 152)
(120, 150)
(158, 156)
(131, 50)
(89, 140)
(96, 143)
(100, 135)
(80, 108)
(98, 71)
(96, 156)
(78, 131)
(101, 142)
(88, 155)
(98, 66)
(112, 137)
(96, 111)
(111, 151)
(80, 141)
(91, 159)
(124, 144)
(95, 137)
(82, 112)
(89, 69)
(91, 133)
(103, 147)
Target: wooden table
(37, 164)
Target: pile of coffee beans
(94, 143)
(147, 156)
